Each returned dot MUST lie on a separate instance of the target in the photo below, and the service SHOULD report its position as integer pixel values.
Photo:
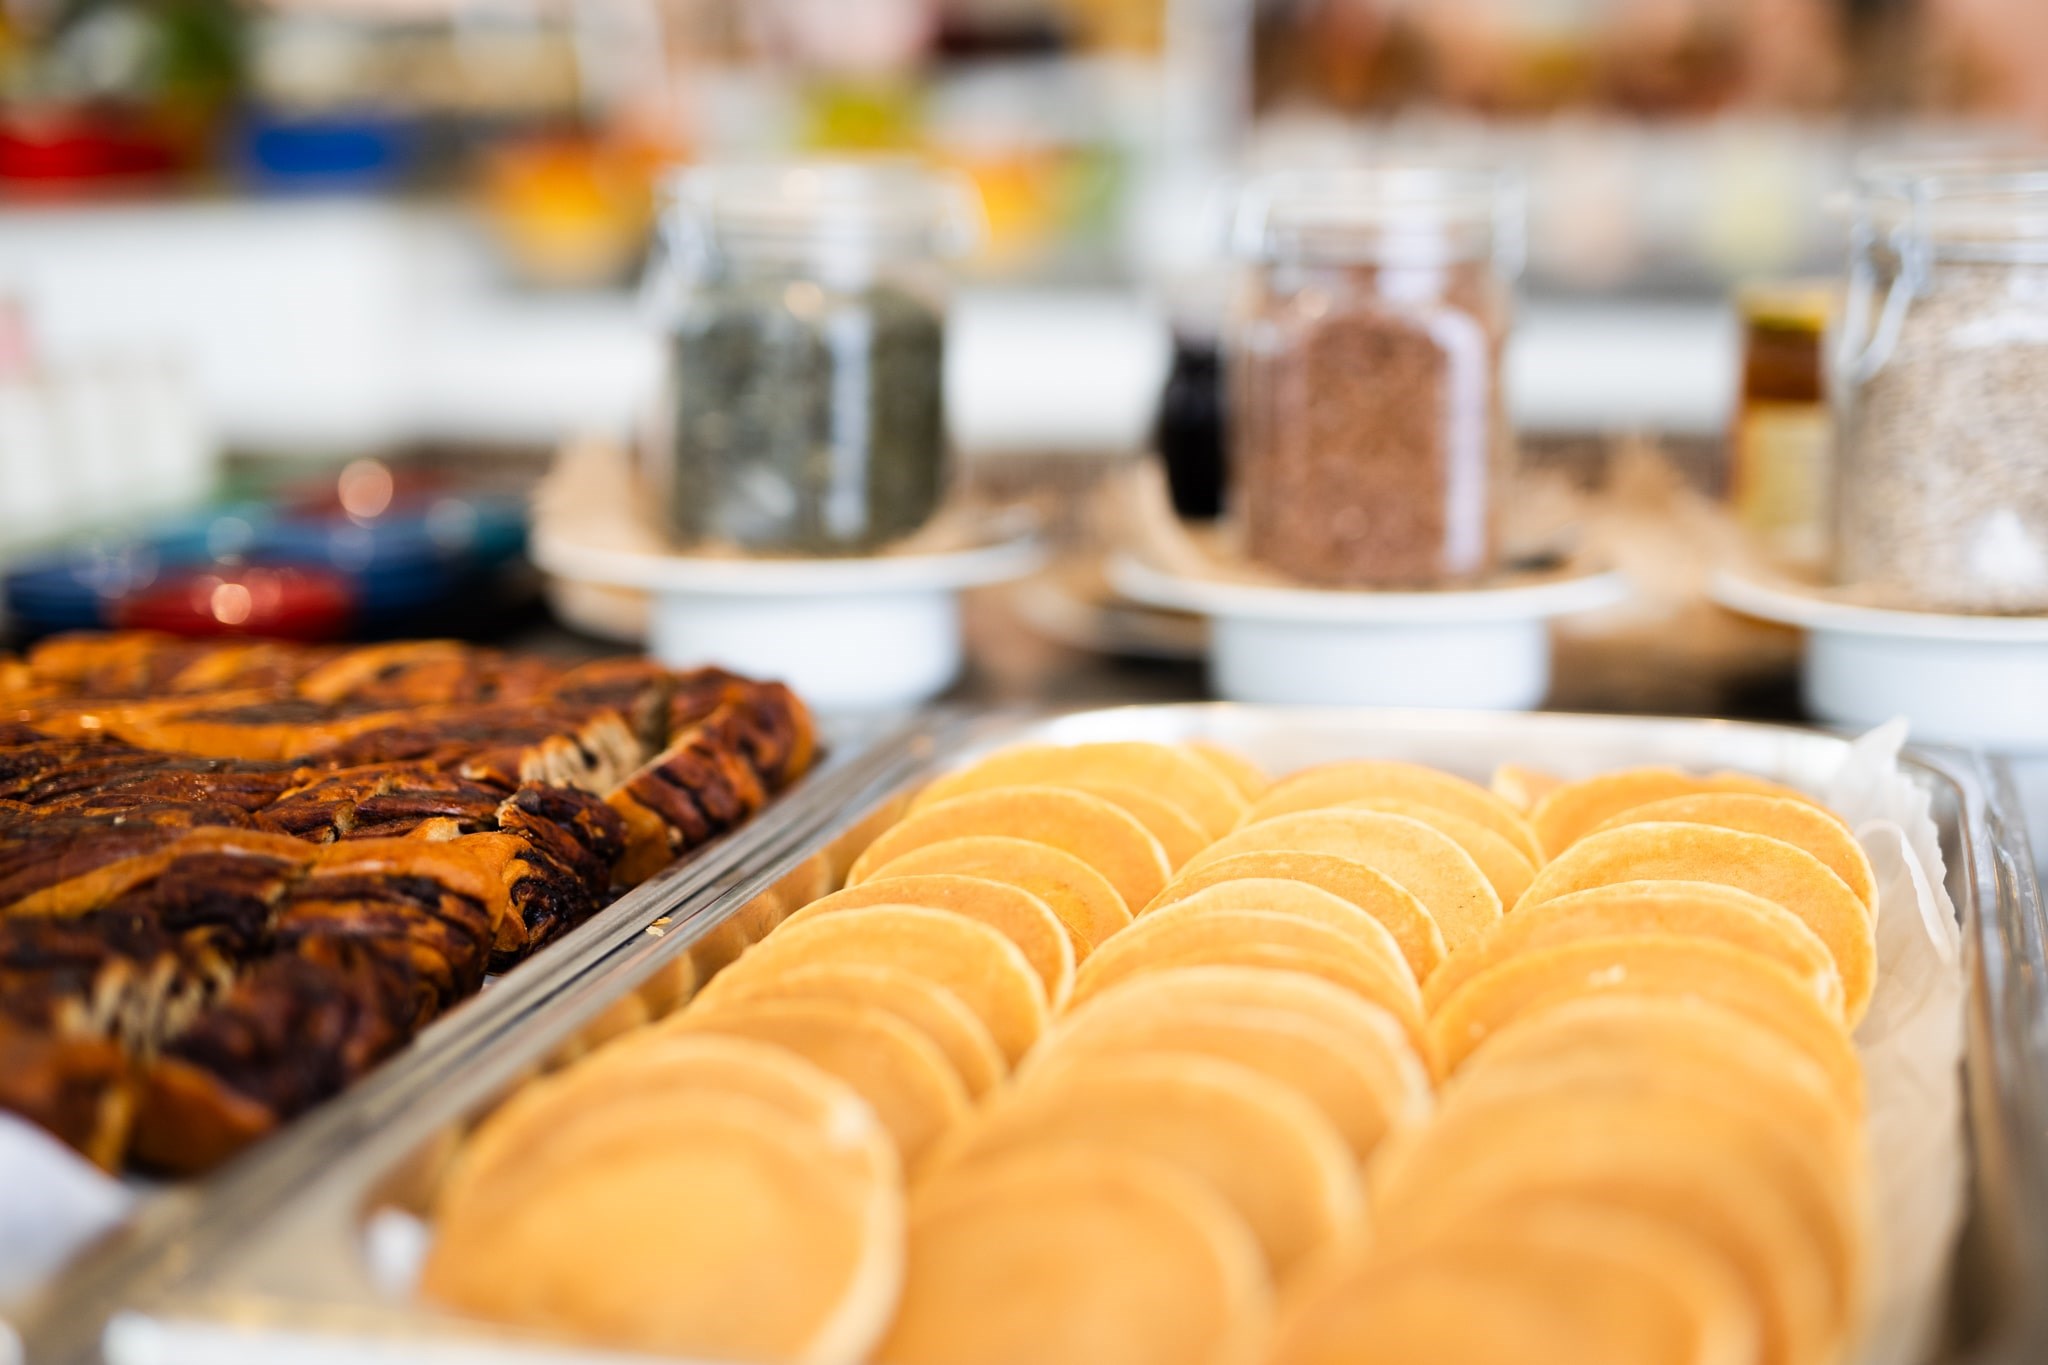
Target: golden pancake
(1248, 777)
(968, 958)
(1826, 1200)
(929, 1008)
(1507, 868)
(1756, 863)
(520, 1131)
(1077, 1254)
(1684, 909)
(1085, 902)
(723, 943)
(622, 1017)
(853, 841)
(1371, 779)
(1422, 861)
(1011, 911)
(1421, 942)
(670, 987)
(1747, 983)
(1254, 939)
(1522, 787)
(1279, 896)
(1801, 823)
(1685, 1026)
(1560, 1281)
(1730, 1057)
(775, 1252)
(808, 880)
(899, 1071)
(1573, 810)
(1660, 1160)
(1374, 1037)
(1256, 1142)
(1090, 828)
(1173, 773)
(1177, 832)
(1361, 1095)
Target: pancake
(1267, 1151)
(899, 1071)
(784, 1254)
(1101, 835)
(1374, 779)
(929, 1008)
(1756, 863)
(1421, 860)
(1683, 909)
(1190, 782)
(1088, 1253)
(1420, 941)
(1082, 898)
(1011, 911)
(968, 958)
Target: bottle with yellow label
(1780, 448)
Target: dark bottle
(1189, 434)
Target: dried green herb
(805, 419)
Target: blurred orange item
(1117, 25)
(568, 210)
(1022, 191)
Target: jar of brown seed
(1369, 439)
(1942, 378)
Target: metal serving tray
(279, 1258)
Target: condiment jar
(1782, 442)
(1369, 437)
(1941, 380)
(804, 314)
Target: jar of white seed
(1941, 368)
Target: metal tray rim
(2007, 1100)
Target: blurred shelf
(315, 326)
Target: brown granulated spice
(1369, 440)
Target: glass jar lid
(1394, 213)
(841, 211)
(1989, 204)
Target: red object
(291, 604)
(73, 147)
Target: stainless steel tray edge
(176, 1232)
(2005, 1255)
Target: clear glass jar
(803, 309)
(1369, 435)
(1941, 381)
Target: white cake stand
(847, 634)
(1974, 680)
(1485, 648)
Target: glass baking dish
(300, 1252)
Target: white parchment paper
(1911, 1043)
(52, 1202)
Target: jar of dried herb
(1369, 439)
(1941, 492)
(803, 311)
